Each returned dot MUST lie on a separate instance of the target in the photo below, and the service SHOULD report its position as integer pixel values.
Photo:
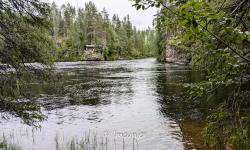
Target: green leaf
(138, 7)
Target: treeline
(113, 38)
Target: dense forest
(73, 28)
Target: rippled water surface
(128, 104)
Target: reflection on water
(124, 102)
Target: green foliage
(6, 146)
(24, 38)
(216, 34)
(23, 28)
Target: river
(129, 104)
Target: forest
(206, 41)
(113, 37)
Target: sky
(141, 19)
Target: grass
(91, 141)
(4, 145)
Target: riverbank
(101, 57)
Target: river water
(130, 104)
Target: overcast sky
(141, 19)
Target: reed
(93, 141)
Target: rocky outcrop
(95, 56)
(171, 54)
(174, 54)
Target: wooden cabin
(89, 48)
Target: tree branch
(214, 35)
